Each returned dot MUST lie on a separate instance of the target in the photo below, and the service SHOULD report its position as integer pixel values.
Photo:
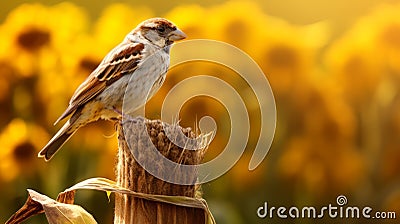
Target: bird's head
(159, 31)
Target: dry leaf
(56, 212)
(103, 184)
(30, 208)
(63, 211)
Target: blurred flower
(33, 28)
(385, 36)
(365, 66)
(41, 45)
(321, 168)
(283, 63)
(187, 17)
(289, 64)
(20, 144)
(231, 22)
(351, 60)
(115, 22)
(322, 135)
(320, 112)
(370, 52)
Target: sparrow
(126, 79)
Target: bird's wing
(122, 60)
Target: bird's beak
(176, 35)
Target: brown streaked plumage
(141, 60)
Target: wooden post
(131, 175)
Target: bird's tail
(57, 141)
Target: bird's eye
(161, 29)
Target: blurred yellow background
(334, 68)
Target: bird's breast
(146, 80)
